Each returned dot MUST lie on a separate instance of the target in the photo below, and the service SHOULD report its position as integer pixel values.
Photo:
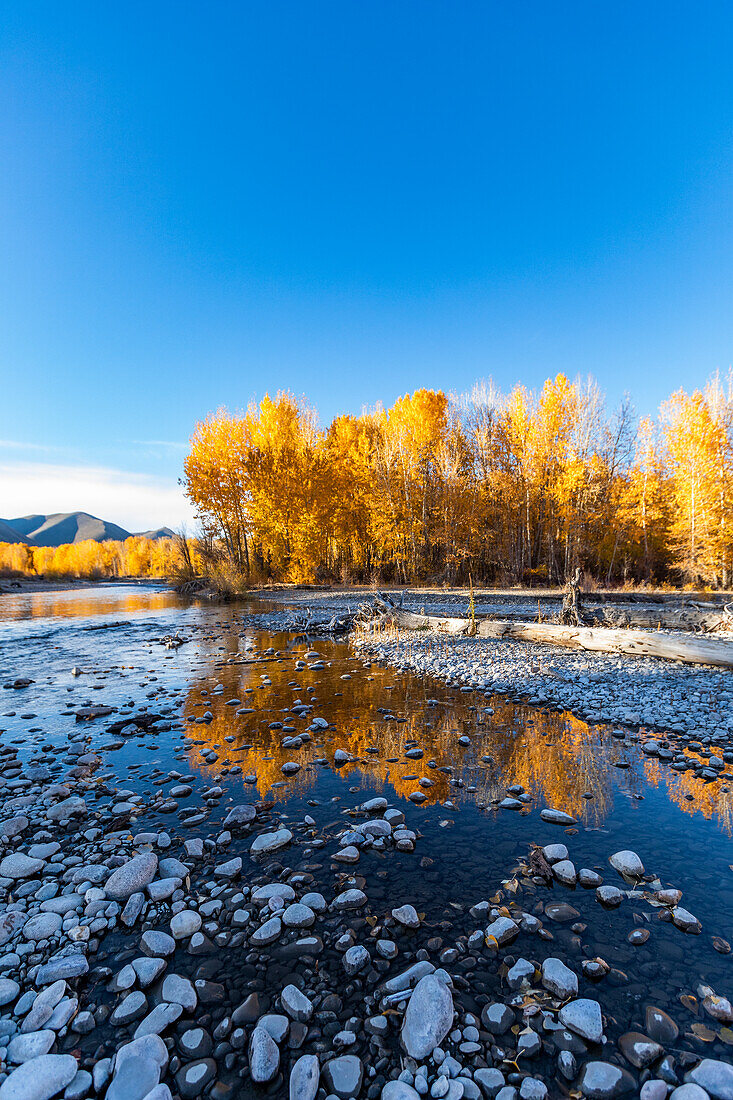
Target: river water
(473, 749)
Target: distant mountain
(158, 533)
(65, 527)
(10, 534)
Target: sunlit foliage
(135, 557)
(521, 488)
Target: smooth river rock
(132, 877)
(40, 1079)
(428, 1018)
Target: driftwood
(691, 649)
(693, 617)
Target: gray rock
(627, 863)
(22, 1048)
(267, 932)
(559, 978)
(609, 896)
(503, 930)
(132, 877)
(19, 865)
(9, 990)
(355, 959)
(343, 1075)
(296, 1004)
(40, 1079)
(522, 972)
(240, 815)
(157, 944)
(584, 1017)
(399, 1090)
(689, 1091)
(264, 1056)
(180, 991)
(639, 1049)
(349, 899)
(564, 871)
(62, 967)
(81, 1086)
(147, 970)
(193, 1078)
(557, 817)
(159, 1020)
(134, 1079)
(428, 1018)
(713, 1076)
(270, 842)
(604, 1081)
(276, 1025)
(555, 852)
(304, 1077)
(133, 908)
(42, 1008)
(298, 916)
(230, 869)
(132, 1007)
(685, 920)
(42, 926)
(489, 1081)
(185, 923)
(407, 916)
(497, 1018)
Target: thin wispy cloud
(18, 445)
(134, 501)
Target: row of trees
(505, 488)
(135, 557)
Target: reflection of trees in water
(74, 604)
(707, 798)
(554, 756)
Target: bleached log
(691, 649)
(706, 620)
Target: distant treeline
(135, 557)
(517, 488)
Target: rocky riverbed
(262, 864)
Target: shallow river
(473, 749)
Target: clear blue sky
(202, 202)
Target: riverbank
(13, 585)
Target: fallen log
(634, 643)
(704, 620)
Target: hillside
(157, 533)
(11, 534)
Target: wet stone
(583, 1016)
(604, 1081)
(660, 1026)
(639, 1049)
(343, 1075)
(193, 1078)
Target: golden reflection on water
(554, 756)
(706, 798)
(74, 603)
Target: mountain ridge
(61, 528)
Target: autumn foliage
(516, 488)
(135, 557)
